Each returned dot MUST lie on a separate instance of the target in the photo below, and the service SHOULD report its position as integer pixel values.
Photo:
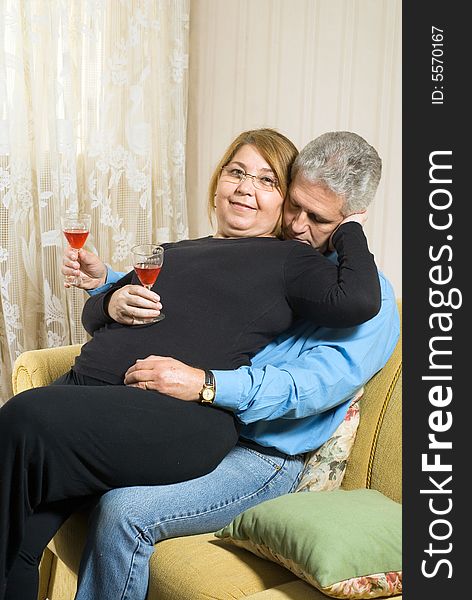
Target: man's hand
(86, 264)
(168, 376)
(360, 218)
(134, 305)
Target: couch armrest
(37, 368)
(376, 457)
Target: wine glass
(147, 263)
(76, 228)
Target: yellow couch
(202, 566)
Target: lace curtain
(93, 108)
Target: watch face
(208, 394)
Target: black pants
(69, 442)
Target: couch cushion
(293, 590)
(201, 566)
(347, 544)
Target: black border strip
(436, 205)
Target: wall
(303, 67)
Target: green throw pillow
(348, 544)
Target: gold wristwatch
(208, 391)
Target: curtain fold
(93, 115)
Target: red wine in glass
(147, 274)
(147, 263)
(76, 228)
(76, 237)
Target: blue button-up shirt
(298, 388)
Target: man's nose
(298, 222)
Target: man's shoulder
(386, 286)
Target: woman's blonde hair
(275, 148)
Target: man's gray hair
(344, 163)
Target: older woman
(226, 297)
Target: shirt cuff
(102, 288)
(229, 389)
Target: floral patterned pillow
(370, 586)
(325, 467)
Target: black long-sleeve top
(225, 299)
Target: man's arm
(305, 375)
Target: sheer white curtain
(93, 109)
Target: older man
(289, 401)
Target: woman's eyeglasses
(237, 175)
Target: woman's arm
(332, 296)
(95, 313)
(124, 303)
(311, 371)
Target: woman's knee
(30, 423)
(20, 413)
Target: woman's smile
(241, 206)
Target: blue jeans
(127, 522)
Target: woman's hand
(92, 270)
(360, 218)
(134, 305)
(166, 375)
